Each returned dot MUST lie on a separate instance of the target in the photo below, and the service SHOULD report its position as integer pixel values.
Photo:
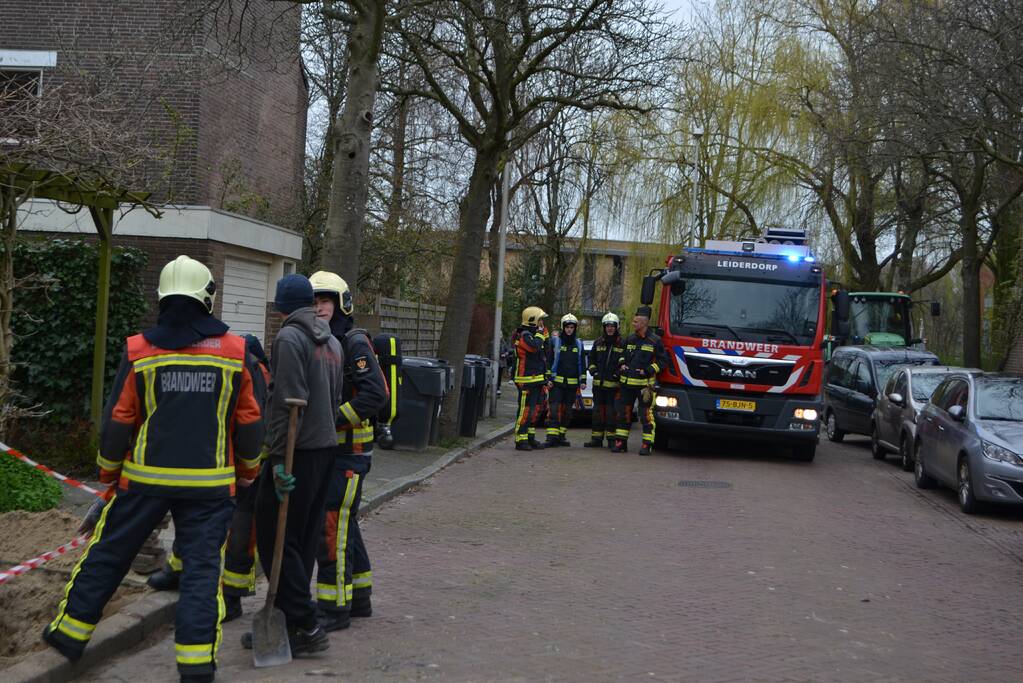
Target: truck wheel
(804, 453)
(831, 427)
(876, 449)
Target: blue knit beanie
(293, 292)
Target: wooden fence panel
(418, 325)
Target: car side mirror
(896, 398)
(957, 413)
(841, 304)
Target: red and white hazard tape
(78, 542)
(15, 453)
(29, 565)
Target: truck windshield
(746, 310)
(869, 316)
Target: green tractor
(874, 318)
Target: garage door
(244, 296)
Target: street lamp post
(499, 289)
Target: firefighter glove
(283, 483)
(647, 395)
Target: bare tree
(505, 71)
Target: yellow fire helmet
(324, 282)
(184, 276)
(569, 319)
(610, 319)
(533, 315)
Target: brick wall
(223, 115)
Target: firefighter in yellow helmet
(344, 580)
(565, 358)
(530, 376)
(187, 370)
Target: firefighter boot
(645, 448)
(552, 442)
(523, 446)
(333, 619)
(164, 580)
(594, 442)
(536, 445)
(232, 607)
(620, 446)
(362, 607)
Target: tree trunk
(350, 182)
(971, 287)
(473, 213)
(9, 201)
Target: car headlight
(666, 401)
(995, 452)
(805, 414)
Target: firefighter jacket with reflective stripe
(530, 361)
(643, 358)
(565, 359)
(605, 357)
(363, 395)
(182, 423)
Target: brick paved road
(584, 566)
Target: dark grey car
(970, 437)
(893, 424)
(854, 378)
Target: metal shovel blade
(270, 646)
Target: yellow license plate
(731, 404)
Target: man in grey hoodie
(307, 363)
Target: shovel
(270, 646)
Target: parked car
(893, 425)
(970, 438)
(853, 380)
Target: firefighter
(239, 577)
(639, 363)
(605, 357)
(530, 376)
(182, 427)
(307, 364)
(566, 360)
(344, 580)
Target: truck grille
(739, 369)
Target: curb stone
(139, 620)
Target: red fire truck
(743, 324)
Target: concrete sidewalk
(393, 473)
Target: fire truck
(743, 324)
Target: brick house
(233, 119)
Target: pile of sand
(30, 601)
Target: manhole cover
(698, 484)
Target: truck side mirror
(646, 295)
(935, 308)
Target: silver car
(970, 437)
(893, 423)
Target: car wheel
(831, 427)
(964, 487)
(906, 454)
(876, 449)
(804, 453)
(920, 476)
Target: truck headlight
(999, 454)
(808, 414)
(666, 402)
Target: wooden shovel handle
(282, 510)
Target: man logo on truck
(739, 372)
